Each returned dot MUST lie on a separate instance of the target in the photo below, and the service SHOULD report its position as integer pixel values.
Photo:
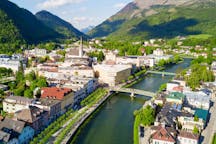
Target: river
(113, 123)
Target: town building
(79, 70)
(188, 123)
(112, 74)
(36, 52)
(213, 67)
(175, 97)
(52, 106)
(34, 117)
(197, 99)
(65, 95)
(185, 137)
(15, 132)
(163, 135)
(171, 86)
(13, 104)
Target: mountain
(58, 24)
(87, 29)
(24, 24)
(145, 19)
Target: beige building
(188, 123)
(13, 104)
(112, 74)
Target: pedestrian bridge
(161, 72)
(134, 91)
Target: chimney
(81, 48)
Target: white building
(171, 85)
(198, 99)
(36, 52)
(13, 104)
(112, 74)
(187, 138)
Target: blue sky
(81, 13)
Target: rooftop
(55, 93)
(188, 135)
(29, 115)
(112, 68)
(163, 134)
(176, 95)
(200, 113)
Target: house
(36, 52)
(52, 106)
(13, 104)
(34, 117)
(163, 135)
(65, 95)
(12, 131)
(169, 114)
(185, 137)
(175, 97)
(197, 99)
(188, 123)
(171, 86)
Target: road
(209, 131)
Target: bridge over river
(161, 72)
(134, 91)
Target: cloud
(119, 5)
(56, 3)
(83, 22)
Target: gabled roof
(163, 134)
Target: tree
(195, 130)
(28, 93)
(196, 118)
(163, 87)
(147, 116)
(42, 82)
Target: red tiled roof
(178, 88)
(164, 135)
(188, 135)
(54, 92)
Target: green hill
(160, 19)
(58, 24)
(29, 27)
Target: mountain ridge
(58, 24)
(138, 12)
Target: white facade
(10, 64)
(198, 99)
(112, 74)
(184, 140)
(36, 52)
(161, 142)
(158, 52)
(13, 104)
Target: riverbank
(69, 133)
(113, 123)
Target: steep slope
(31, 29)
(10, 38)
(58, 24)
(144, 19)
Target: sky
(80, 13)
